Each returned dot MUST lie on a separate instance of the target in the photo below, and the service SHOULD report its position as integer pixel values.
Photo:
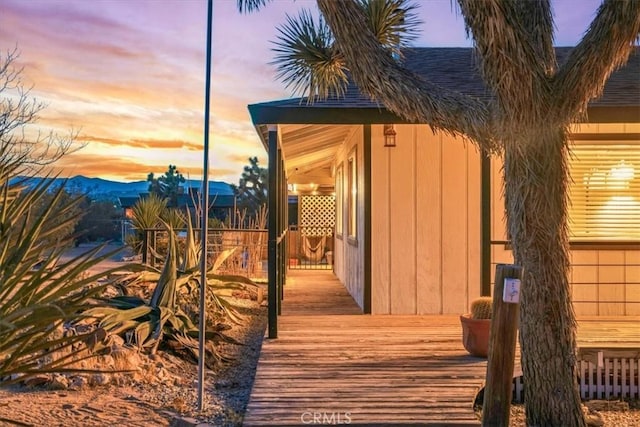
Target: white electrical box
(511, 291)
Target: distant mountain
(103, 188)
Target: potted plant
(476, 326)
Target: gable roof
(456, 69)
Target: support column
(273, 297)
(485, 226)
(280, 243)
(367, 219)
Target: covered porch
(333, 365)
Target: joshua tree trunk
(535, 189)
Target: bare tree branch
(604, 48)
(21, 150)
(401, 91)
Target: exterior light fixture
(389, 136)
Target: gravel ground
(227, 390)
(601, 413)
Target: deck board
(331, 361)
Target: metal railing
(598, 288)
(310, 248)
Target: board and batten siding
(349, 253)
(604, 282)
(425, 223)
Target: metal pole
(205, 215)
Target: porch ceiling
(309, 150)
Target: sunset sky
(129, 75)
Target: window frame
(580, 209)
(339, 183)
(352, 196)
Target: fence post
(502, 345)
(145, 246)
(153, 247)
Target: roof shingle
(456, 69)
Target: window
(353, 194)
(339, 199)
(605, 191)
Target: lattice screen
(317, 215)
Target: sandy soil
(163, 389)
(102, 406)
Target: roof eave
(265, 114)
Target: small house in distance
(221, 201)
(418, 216)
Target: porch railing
(600, 287)
(310, 248)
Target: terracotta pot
(475, 335)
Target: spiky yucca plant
(146, 215)
(38, 292)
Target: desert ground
(162, 390)
(157, 391)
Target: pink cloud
(130, 74)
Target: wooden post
(145, 247)
(502, 346)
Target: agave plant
(39, 292)
(161, 319)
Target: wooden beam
(485, 224)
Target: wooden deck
(331, 365)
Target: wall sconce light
(389, 136)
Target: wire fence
(248, 249)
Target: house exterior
(419, 226)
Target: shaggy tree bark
(535, 192)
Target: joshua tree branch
(515, 49)
(605, 47)
(404, 93)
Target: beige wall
(604, 282)
(349, 253)
(425, 232)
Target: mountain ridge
(97, 187)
